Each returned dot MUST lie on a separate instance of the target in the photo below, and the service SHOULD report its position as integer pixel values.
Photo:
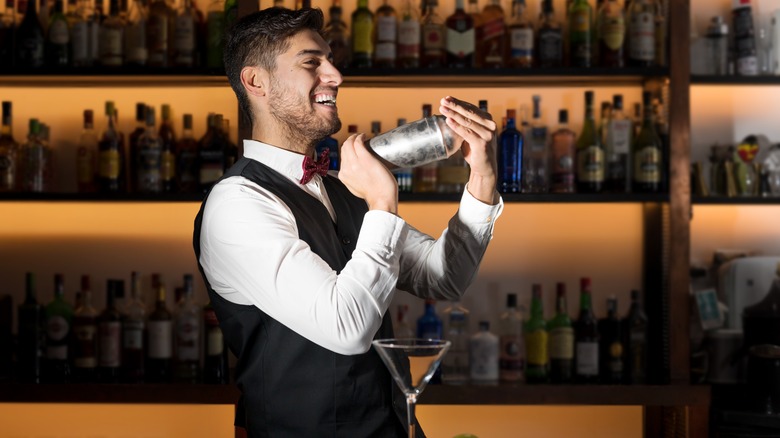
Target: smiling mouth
(325, 99)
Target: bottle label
(110, 46)
(85, 354)
(184, 35)
(409, 39)
(187, 338)
(642, 37)
(590, 164)
(511, 361)
(550, 47)
(110, 333)
(587, 358)
(362, 28)
(57, 352)
(747, 66)
(85, 166)
(109, 164)
(618, 139)
(647, 165)
(493, 33)
(133, 336)
(79, 35)
(536, 347)
(57, 329)
(168, 166)
(616, 358)
(460, 44)
(562, 343)
(187, 167)
(493, 29)
(211, 166)
(135, 39)
(580, 21)
(386, 29)
(58, 32)
(160, 339)
(483, 358)
(385, 51)
(522, 42)
(433, 38)
(215, 342)
(612, 32)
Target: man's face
(303, 89)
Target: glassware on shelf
(412, 363)
(717, 55)
(771, 166)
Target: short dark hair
(258, 38)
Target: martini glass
(412, 363)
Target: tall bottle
(187, 158)
(215, 362)
(133, 333)
(536, 340)
(111, 155)
(86, 155)
(31, 334)
(167, 137)
(611, 32)
(211, 154)
(641, 32)
(634, 328)
(29, 37)
(455, 365)
(476, 15)
(149, 157)
(215, 19)
(510, 156)
(425, 176)
(647, 153)
(82, 27)
(586, 339)
(618, 148)
(59, 317)
(590, 153)
(111, 42)
(85, 336)
(433, 53)
(185, 36)
(159, 33)
(429, 326)
(337, 36)
(521, 37)
(484, 355)
(549, 38)
(536, 175)
(409, 36)
(611, 353)
(7, 29)
(9, 151)
(581, 34)
(134, 146)
(159, 339)
(510, 333)
(460, 38)
(136, 51)
(362, 36)
(563, 152)
(386, 36)
(561, 339)
(492, 46)
(57, 47)
(110, 335)
(187, 335)
(36, 161)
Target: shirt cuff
(472, 211)
(381, 229)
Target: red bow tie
(310, 167)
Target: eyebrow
(316, 52)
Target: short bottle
(536, 342)
(483, 355)
(586, 339)
(455, 364)
(510, 332)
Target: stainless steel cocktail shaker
(420, 142)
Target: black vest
(290, 386)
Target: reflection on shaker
(417, 143)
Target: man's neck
(279, 137)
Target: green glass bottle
(31, 335)
(215, 34)
(647, 153)
(362, 35)
(590, 153)
(535, 332)
(59, 315)
(580, 34)
(561, 340)
(57, 44)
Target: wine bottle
(211, 154)
(561, 337)
(31, 334)
(586, 339)
(85, 338)
(460, 38)
(611, 30)
(187, 158)
(510, 333)
(611, 354)
(159, 338)
(167, 138)
(184, 39)
(111, 155)
(110, 335)
(159, 33)
(647, 151)
(57, 48)
(111, 43)
(590, 153)
(149, 157)
(409, 36)
(29, 37)
(581, 35)
(362, 36)
(536, 341)
(9, 151)
(133, 333)
(59, 316)
(136, 51)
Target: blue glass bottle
(332, 144)
(510, 156)
(429, 326)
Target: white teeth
(325, 99)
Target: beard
(297, 117)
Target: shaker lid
(717, 27)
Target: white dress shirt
(251, 254)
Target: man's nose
(330, 74)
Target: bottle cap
(560, 289)
(511, 300)
(536, 290)
(140, 112)
(352, 129)
(187, 121)
(483, 105)
(563, 116)
(585, 284)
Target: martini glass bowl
(412, 363)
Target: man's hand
(479, 149)
(366, 177)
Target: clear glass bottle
(590, 153)
(36, 161)
(149, 157)
(510, 156)
(460, 38)
(9, 151)
(136, 52)
(58, 323)
(385, 32)
(409, 36)
(187, 334)
(337, 37)
(510, 332)
(536, 174)
(618, 149)
(581, 34)
(455, 365)
(362, 36)
(433, 53)
(521, 37)
(563, 150)
(611, 32)
(641, 32)
(492, 43)
(134, 333)
(549, 35)
(484, 355)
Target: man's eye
(314, 62)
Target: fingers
(469, 119)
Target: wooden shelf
(88, 78)
(737, 200)
(734, 80)
(118, 393)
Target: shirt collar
(288, 163)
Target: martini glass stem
(411, 401)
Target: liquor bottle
(167, 137)
(133, 333)
(85, 338)
(641, 32)
(97, 17)
(563, 149)
(455, 365)
(337, 37)
(332, 145)
(586, 339)
(580, 17)
(590, 153)
(521, 37)
(362, 35)
(433, 53)
(211, 154)
(57, 47)
(215, 362)
(110, 335)
(86, 155)
(429, 325)
(187, 158)
(452, 174)
(59, 317)
(31, 334)
(81, 28)
(403, 176)
(647, 153)
(7, 29)
(159, 332)
(510, 333)
(386, 29)
(611, 30)
(476, 17)
(611, 354)
(618, 148)
(510, 156)
(536, 177)
(561, 340)
(136, 51)
(9, 151)
(492, 43)
(133, 146)
(536, 341)
(111, 42)
(425, 176)
(402, 328)
(549, 35)
(215, 30)
(35, 161)
(634, 328)
(187, 335)
(111, 155)
(460, 38)
(484, 355)
(606, 113)
(149, 157)
(185, 35)
(159, 33)
(409, 36)
(29, 37)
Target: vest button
(346, 240)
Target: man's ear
(255, 81)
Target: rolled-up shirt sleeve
(252, 254)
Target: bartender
(301, 266)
